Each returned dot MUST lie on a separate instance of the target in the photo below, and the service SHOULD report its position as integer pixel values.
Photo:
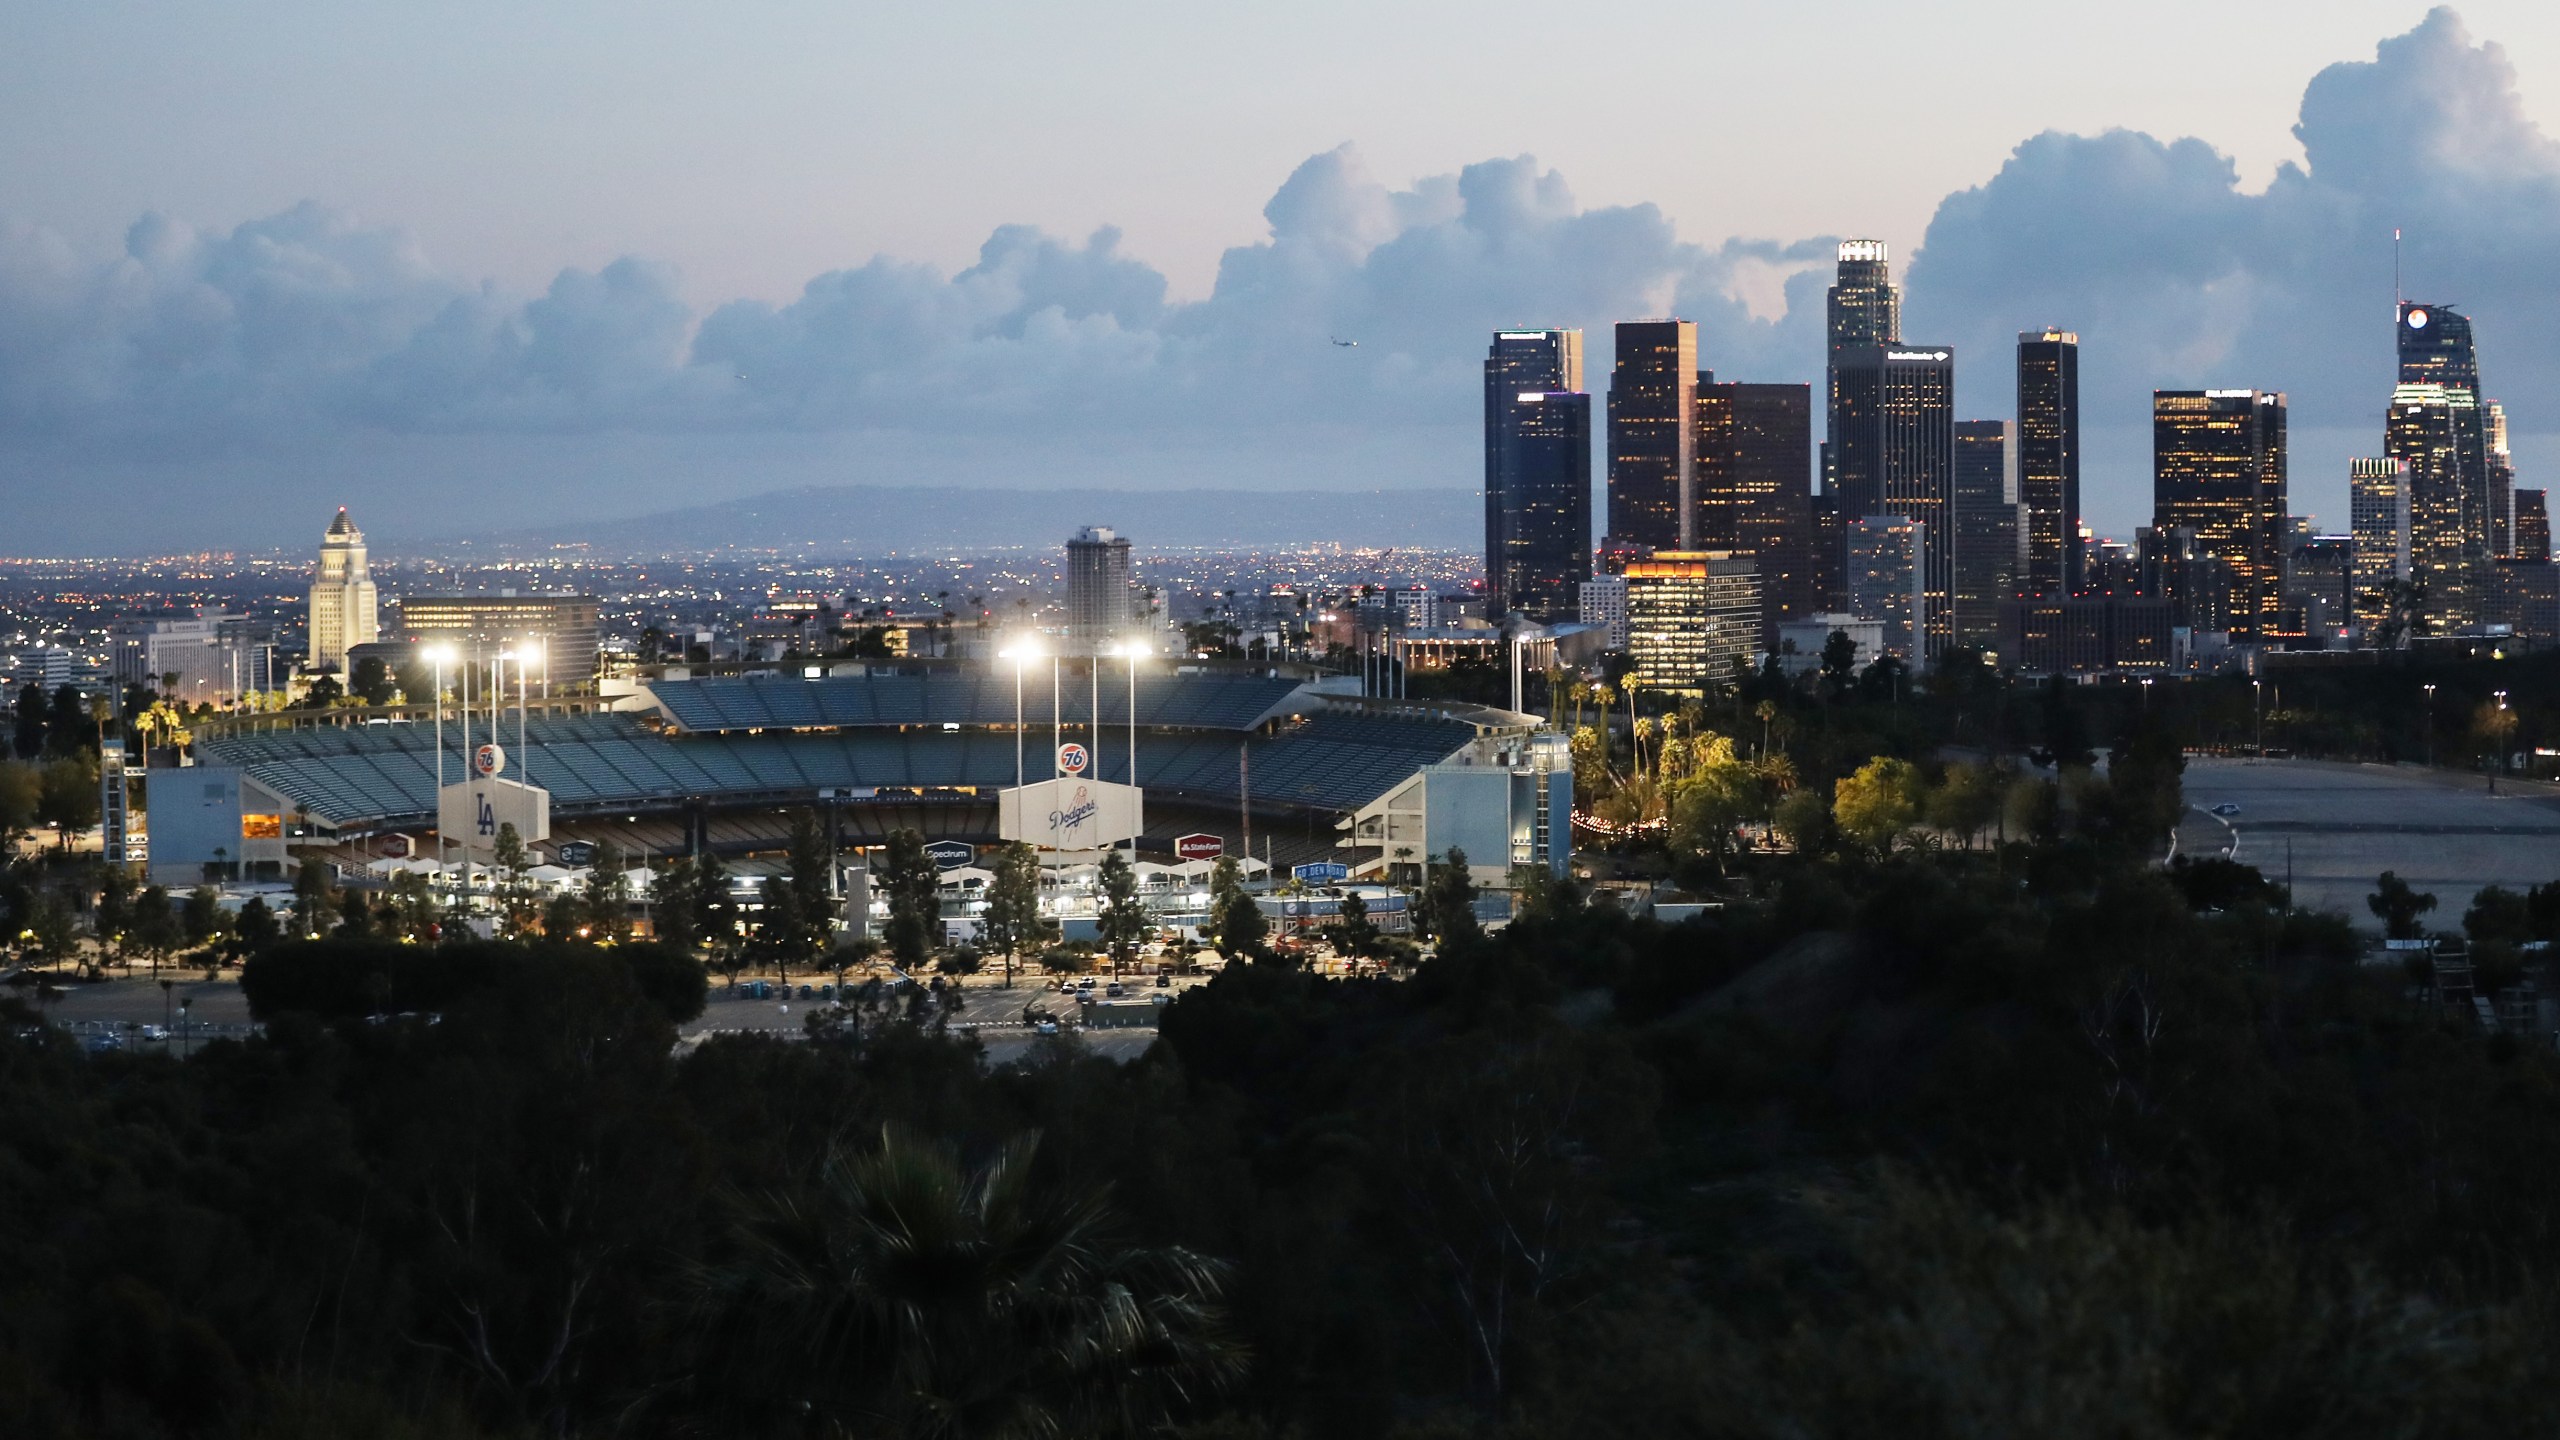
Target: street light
(2259, 689)
(2146, 692)
(2431, 726)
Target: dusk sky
(462, 267)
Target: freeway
(2335, 826)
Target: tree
(355, 915)
(21, 799)
(372, 681)
(606, 897)
(715, 909)
(675, 911)
(2398, 906)
(1123, 919)
(2498, 914)
(781, 933)
(201, 920)
(1355, 933)
(518, 907)
(1447, 909)
(72, 729)
(1805, 820)
(1965, 802)
(812, 890)
(257, 926)
(324, 692)
(67, 798)
(1839, 664)
(312, 894)
(912, 885)
(1235, 922)
(155, 926)
(1012, 920)
(34, 715)
(906, 1293)
(1878, 803)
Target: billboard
(1321, 872)
(1071, 814)
(470, 813)
(951, 854)
(1199, 847)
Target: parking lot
(2334, 827)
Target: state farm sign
(1199, 847)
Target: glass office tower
(1653, 394)
(2218, 469)
(2049, 459)
(1537, 473)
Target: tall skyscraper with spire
(1653, 396)
(2436, 348)
(342, 597)
(1537, 473)
(2049, 459)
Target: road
(2336, 826)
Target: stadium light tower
(439, 656)
(529, 653)
(1133, 651)
(1021, 652)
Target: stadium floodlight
(1133, 651)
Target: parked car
(2226, 808)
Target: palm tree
(905, 1293)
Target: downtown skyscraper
(1990, 529)
(1861, 309)
(2049, 459)
(1893, 453)
(1753, 458)
(2218, 471)
(2424, 433)
(1537, 473)
(1653, 394)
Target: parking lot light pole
(2498, 740)
(2259, 689)
(2431, 726)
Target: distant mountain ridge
(852, 520)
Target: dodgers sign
(1072, 758)
(1071, 813)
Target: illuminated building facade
(2447, 557)
(1692, 617)
(1754, 452)
(1537, 473)
(2378, 534)
(342, 597)
(1862, 310)
(481, 627)
(2533, 527)
(1894, 455)
(2218, 469)
(1886, 561)
(2049, 459)
(1653, 396)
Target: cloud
(313, 319)
(307, 332)
(2175, 276)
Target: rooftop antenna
(2395, 273)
